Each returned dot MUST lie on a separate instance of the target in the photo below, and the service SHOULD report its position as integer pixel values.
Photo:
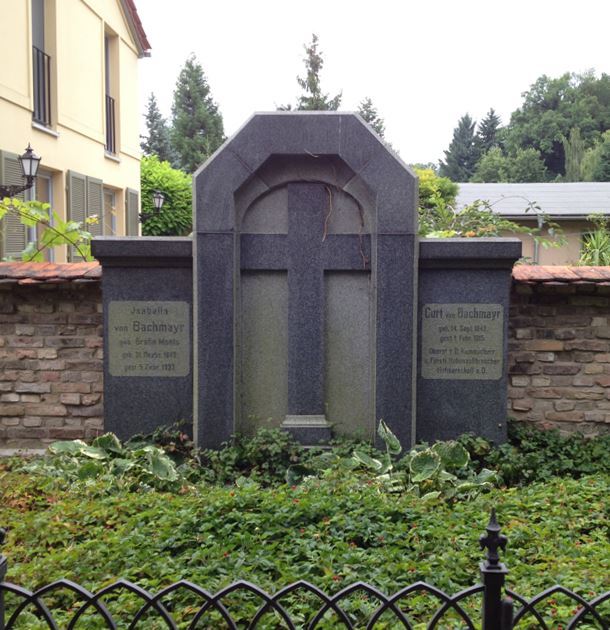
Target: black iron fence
(42, 87)
(110, 125)
(493, 608)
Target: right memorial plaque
(462, 341)
(463, 305)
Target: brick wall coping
(36, 273)
(558, 274)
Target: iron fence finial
(492, 541)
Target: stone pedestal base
(308, 430)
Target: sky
(423, 63)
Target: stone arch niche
(305, 257)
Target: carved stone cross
(306, 252)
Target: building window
(41, 65)
(109, 211)
(42, 191)
(110, 53)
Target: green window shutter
(132, 212)
(13, 234)
(77, 204)
(95, 205)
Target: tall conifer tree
(369, 112)
(157, 141)
(463, 153)
(488, 131)
(313, 98)
(197, 127)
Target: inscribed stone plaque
(462, 341)
(148, 338)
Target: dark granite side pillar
(462, 388)
(139, 271)
(215, 338)
(394, 373)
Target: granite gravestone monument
(295, 213)
(300, 305)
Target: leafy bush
(176, 215)
(532, 455)
(108, 462)
(439, 471)
(265, 458)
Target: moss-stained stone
(264, 350)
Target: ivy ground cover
(331, 532)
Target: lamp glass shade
(29, 163)
(158, 199)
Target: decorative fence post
(497, 613)
(3, 567)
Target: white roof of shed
(561, 200)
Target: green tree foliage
(463, 152)
(601, 171)
(157, 140)
(574, 151)
(439, 218)
(487, 133)
(197, 127)
(552, 107)
(176, 215)
(525, 165)
(313, 98)
(436, 197)
(369, 112)
(50, 229)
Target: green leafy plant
(439, 471)
(265, 457)
(596, 244)
(534, 455)
(50, 229)
(108, 461)
(176, 216)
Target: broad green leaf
(430, 496)
(108, 442)
(391, 441)
(93, 452)
(453, 454)
(487, 476)
(424, 465)
(121, 466)
(161, 466)
(366, 460)
(66, 447)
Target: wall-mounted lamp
(29, 163)
(158, 199)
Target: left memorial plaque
(149, 338)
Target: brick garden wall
(51, 365)
(559, 355)
(51, 362)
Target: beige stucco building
(68, 86)
(566, 204)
